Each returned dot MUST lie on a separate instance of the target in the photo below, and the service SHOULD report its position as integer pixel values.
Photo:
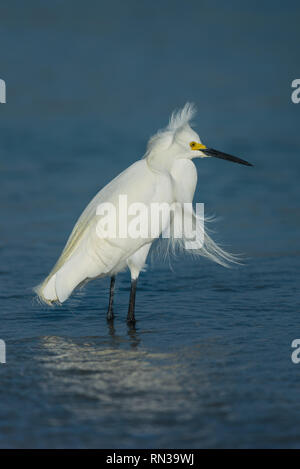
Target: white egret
(166, 174)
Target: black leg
(130, 316)
(110, 314)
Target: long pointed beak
(224, 156)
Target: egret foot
(130, 315)
(110, 313)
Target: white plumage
(165, 174)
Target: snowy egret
(166, 174)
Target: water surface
(208, 363)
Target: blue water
(208, 363)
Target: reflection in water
(111, 328)
(132, 334)
(121, 381)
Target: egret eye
(192, 144)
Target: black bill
(225, 156)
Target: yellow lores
(197, 146)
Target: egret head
(179, 140)
(185, 136)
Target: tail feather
(58, 286)
(46, 290)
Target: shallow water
(208, 363)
